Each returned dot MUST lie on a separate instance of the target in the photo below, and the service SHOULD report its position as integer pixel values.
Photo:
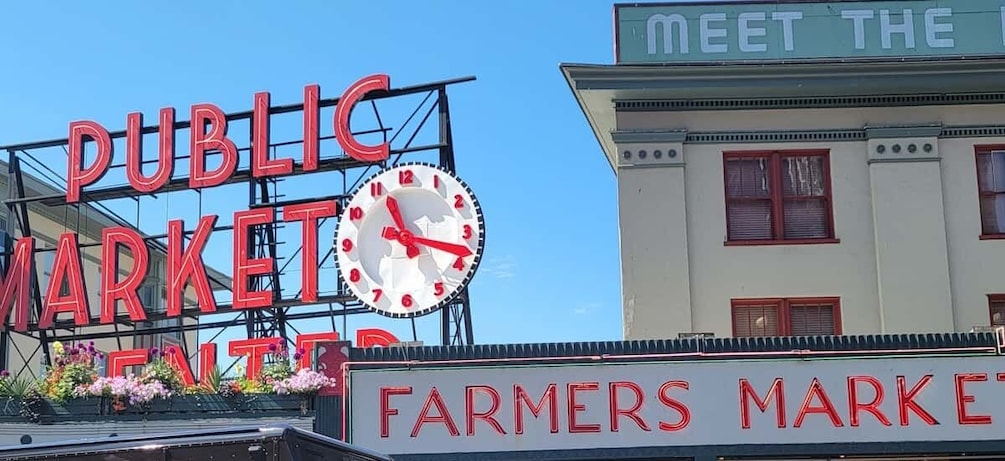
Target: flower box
(10, 407)
(76, 407)
(199, 403)
(276, 402)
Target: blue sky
(551, 267)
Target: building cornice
(604, 90)
(795, 79)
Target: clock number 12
(405, 177)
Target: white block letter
(667, 22)
(932, 28)
(858, 18)
(746, 32)
(786, 17)
(886, 30)
(707, 33)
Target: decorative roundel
(409, 240)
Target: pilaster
(656, 286)
(909, 219)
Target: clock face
(409, 240)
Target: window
(996, 310)
(786, 317)
(778, 197)
(991, 188)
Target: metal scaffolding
(28, 162)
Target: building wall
(910, 257)
(24, 357)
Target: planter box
(199, 403)
(76, 407)
(10, 407)
(274, 402)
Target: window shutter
(991, 182)
(811, 319)
(756, 320)
(749, 199)
(804, 202)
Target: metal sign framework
(455, 324)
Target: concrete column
(656, 285)
(912, 256)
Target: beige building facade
(855, 196)
(23, 353)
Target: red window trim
(984, 149)
(776, 197)
(783, 310)
(994, 298)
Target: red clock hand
(404, 237)
(392, 207)
(400, 234)
(459, 250)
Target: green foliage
(15, 386)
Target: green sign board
(777, 30)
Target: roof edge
(760, 347)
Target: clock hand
(459, 250)
(392, 207)
(403, 237)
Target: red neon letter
(343, 110)
(255, 349)
(962, 398)
(176, 358)
(375, 337)
(670, 402)
(386, 412)
(119, 360)
(443, 415)
(112, 289)
(872, 406)
(261, 165)
(632, 412)
(215, 140)
(134, 152)
(905, 400)
(66, 266)
(575, 408)
(747, 393)
(76, 175)
(826, 407)
(207, 361)
(312, 123)
(521, 399)
(186, 264)
(15, 286)
(244, 267)
(308, 214)
(305, 342)
(488, 415)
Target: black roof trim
(906, 344)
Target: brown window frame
(992, 299)
(784, 305)
(777, 199)
(979, 150)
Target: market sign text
(184, 260)
(802, 30)
(579, 406)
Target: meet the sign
(703, 32)
(185, 264)
(581, 406)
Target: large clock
(409, 240)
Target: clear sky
(551, 267)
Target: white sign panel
(555, 407)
